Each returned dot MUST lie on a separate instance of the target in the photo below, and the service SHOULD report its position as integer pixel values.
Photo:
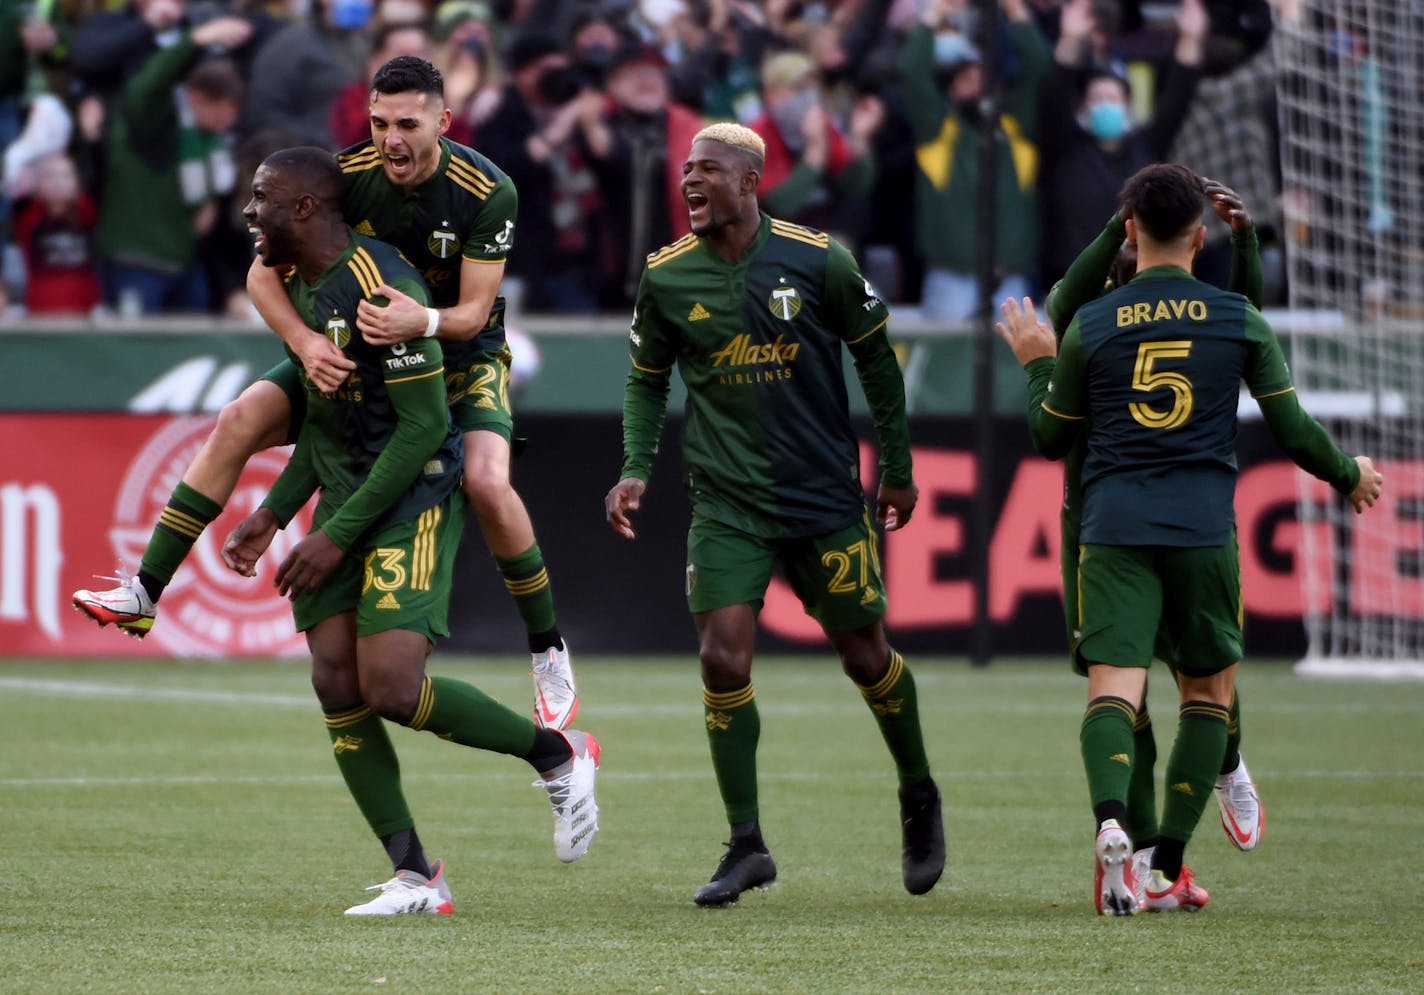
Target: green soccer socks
(179, 525)
(1192, 767)
(733, 729)
(369, 766)
(1232, 758)
(1141, 824)
(1107, 745)
(892, 699)
(528, 582)
(464, 714)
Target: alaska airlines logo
(338, 331)
(785, 301)
(742, 352)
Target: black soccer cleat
(741, 868)
(922, 836)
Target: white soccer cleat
(409, 893)
(1141, 871)
(1113, 886)
(570, 789)
(1242, 814)
(128, 606)
(555, 695)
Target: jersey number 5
(1145, 378)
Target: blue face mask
(953, 48)
(351, 15)
(1107, 120)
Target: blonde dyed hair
(736, 135)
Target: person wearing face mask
(1091, 146)
(943, 85)
(813, 170)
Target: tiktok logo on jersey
(502, 241)
(872, 299)
(443, 243)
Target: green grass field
(183, 828)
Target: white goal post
(1351, 110)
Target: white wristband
(432, 323)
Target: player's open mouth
(259, 241)
(397, 162)
(696, 203)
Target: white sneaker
(128, 606)
(570, 788)
(409, 893)
(1242, 814)
(1141, 870)
(555, 696)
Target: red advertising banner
(79, 495)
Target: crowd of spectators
(130, 130)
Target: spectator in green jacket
(168, 163)
(943, 86)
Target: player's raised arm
(1246, 277)
(1085, 277)
(1055, 385)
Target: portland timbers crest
(784, 301)
(338, 331)
(443, 243)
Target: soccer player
(754, 312)
(1105, 264)
(451, 212)
(370, 584)
(1155, 367)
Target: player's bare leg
(256, 419)
(889, 689)
(509, 534)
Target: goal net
(1351, 105)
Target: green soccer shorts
(836, 576)
(399, 579)
(478, 393)
(1193, 593)
(1162, 648)
(287, 377)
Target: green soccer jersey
(1090, 277)
(382, 448)
(466, 210)
(768, 444)
(1159, 363)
